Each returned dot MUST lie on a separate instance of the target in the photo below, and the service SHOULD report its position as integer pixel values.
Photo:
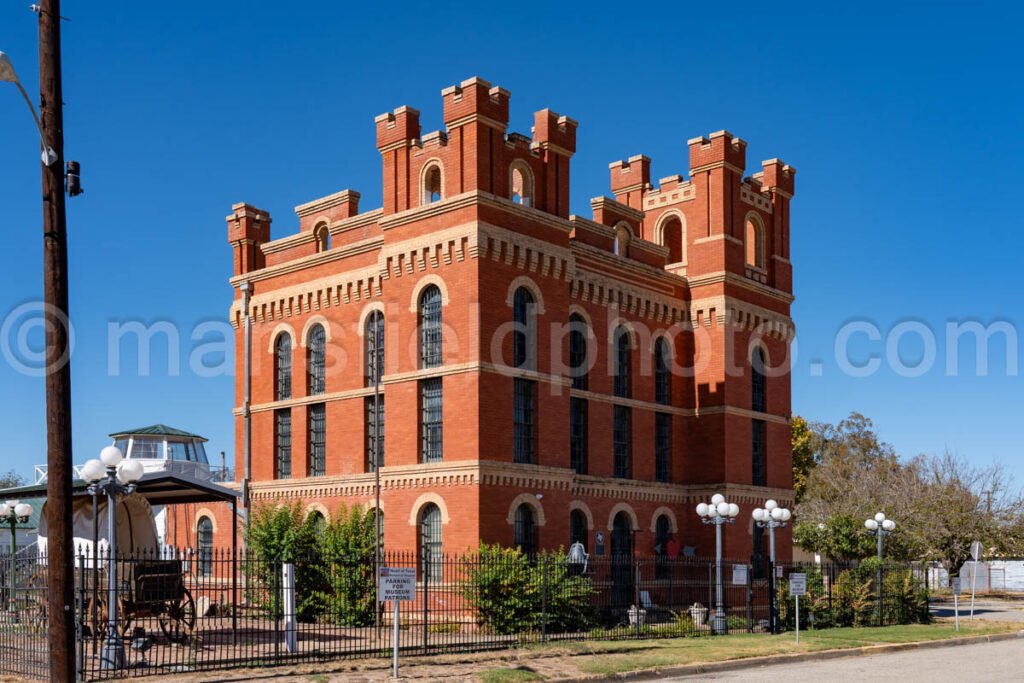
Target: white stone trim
(528, 499)
(582, 507)
(279, 329)
(673, 527)
(628, 509)
(424, 499)
(525, 281)
(424, 282)
(313, 320)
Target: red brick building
(546, 376)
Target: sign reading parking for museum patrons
(397, 583)
(798, 584)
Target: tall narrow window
(754, 243)
(283, 367)
(661, 533)
(204, 549)
(283, 443)
(373, 337)
(432, 184)
(623, 379)
(578, 435)
(622, 442)
(524, 420)
(430, 327)
(662, 447)
(578, 528)
(317, 440)
(322, 236)
(431, 420)
(524, 336)
(757, 454)
(374, 433)
(431, 549)
(758, 557)
(622, 235)
(672, 237)
(522, 184)
(526, 530)
(662, 376)
(758, 398)
(316, 360)
(579, 363)
(318, 522)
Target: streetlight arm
(49, 156)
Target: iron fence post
(543, 598)
(426, 596)
(275, 602)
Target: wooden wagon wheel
(178, 619)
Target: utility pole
(59, 583)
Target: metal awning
(158, 488)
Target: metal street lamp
(12, 513)
(880, 527)
(718, 512)
(772, 517)
(112, 476)
(9, 75)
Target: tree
(804, 456)
(10, 479)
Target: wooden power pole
(60, 582)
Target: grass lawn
(612, 657)
(509, 676)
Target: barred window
(622, 363)
(204, 549)
(283, 367)
(662, 570)
(662, 376)
(431, 422)
(283, 443)
(579, 364)
(758, 398)
(317, 440)
(524, 428)
(663, 447)
(430, 327)
(524, 334)
(431, 548)
(622, 439)
(316, 360)
(578, 528)
(578, 435)
(374, 341)
(526, 530)
(757, 454)
(374, 432)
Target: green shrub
(735, 622)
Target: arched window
(204, 551)
(283, 367)
(661, 532)
(622, 237)
(672, 237)
(662, 376)
(316, 360)
(433, 188)
(430, 327)
(322, 236)
(524, 335)
(522, 184)
(622, 535)
(758, 386)
(579, 351)
(526, 530)
(318, 522)
(431, 549)
(578, 528)
(623, 370)
(373, 337)
(754, 242)
(622, 569)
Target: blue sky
(903, 122)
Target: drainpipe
(246, 288)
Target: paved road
(989, 662)
(984, 608)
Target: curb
(771, 660)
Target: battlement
(554, 131)
(719, 148)
(400, 127)
(475, 100)
(777, 176)
(248, 229)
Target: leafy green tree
(279, 534)
(349, 543)
(804, 457)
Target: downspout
(246, 288)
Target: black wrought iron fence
(171, 612)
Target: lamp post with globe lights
(718, 512)
(880, 527)
(112, 476)
(12, 513)
(772, 517)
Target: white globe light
(722, 509)
(717, 498)
(5, 510)
(702, 509)
(734, 510)
(129, 471)
(777, 514)
(871, 524)
(888, 525)
(880, 517)
(23, 510)
(92, 470)
(786, 514)
(770, 505)
(111, 456)
(758, 514)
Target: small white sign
(739, 575)
(955, 584)
(798, 584)
(976, 550)
(778, 572)
(397, 584)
